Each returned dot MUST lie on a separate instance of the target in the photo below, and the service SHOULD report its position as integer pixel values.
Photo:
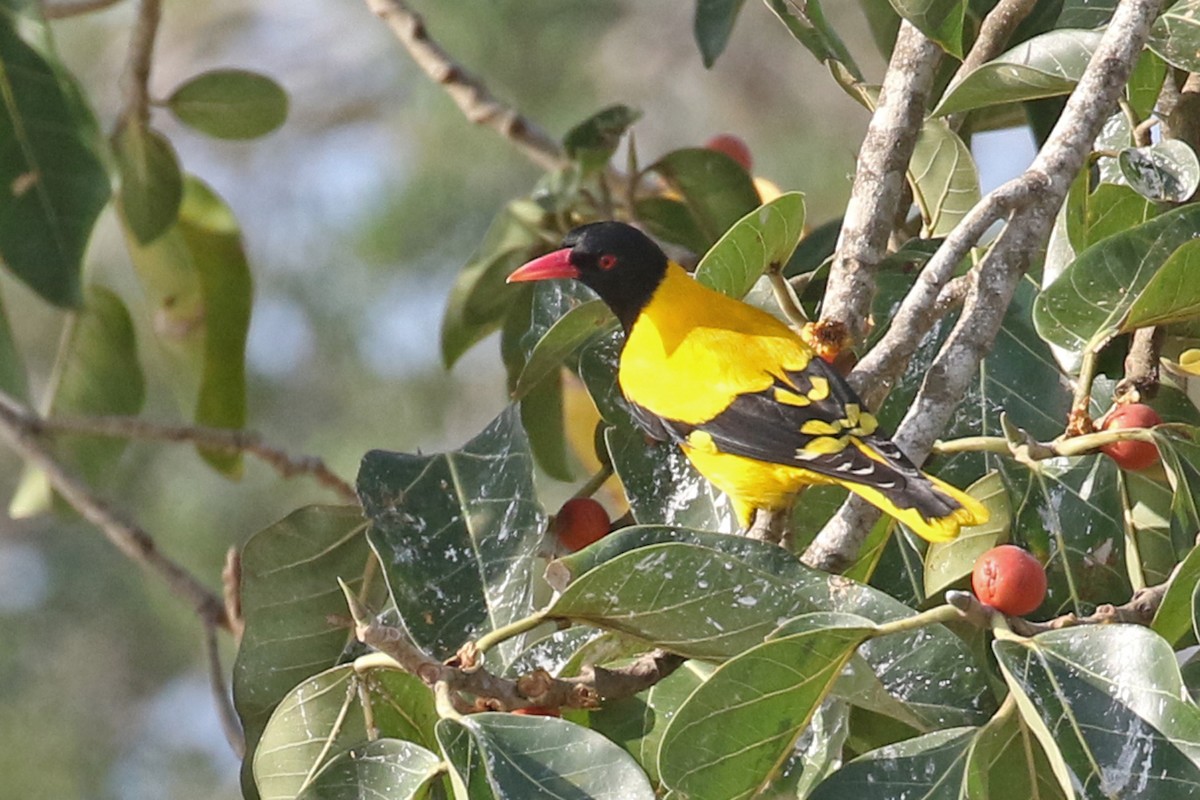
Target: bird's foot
(768, 526)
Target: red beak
(552, 265)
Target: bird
(758, 414)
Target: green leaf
(391, 768)
(12, 372)
(593, 141)
(1145, 84)
(932, 767)
(55, 185)
(1175, 35)
(762, 240)
(1005, 760)
(1171, 295)
(1086, 14)
(289, 590)
(230, 104)
(714, 187)
(948, 562)
(198, 285)
(1044, 66)
(944, 178)
(1086, 304)
(495, 756)
(480, 298)
(1110, 700)
(739, 725)
(1174, 617)
(671, 221)
(543, 421)
(456, 534)
(638, 723)
(940, 20)
(97, 372)
(1166, 171)
(1109, 210)
(324, 716)
(712, 26)
(808, 26)
(560, 342)
(151, 181)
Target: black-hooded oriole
(744, 397)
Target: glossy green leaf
(542, 418)
(739, 725)
(1166, 171)
(1150, 552)
(497, 756)
(1175, 35)
(598, 589)
(1085, 14)
(1146, 83)
(289, 590)
(12, 371)
(562, 340)
(1109, 210)
(714, 187)
(198, 285)
(940, 20)
(1006, 760)
(1110, 699)
(391, 768)
(712, 26)
(230, 104)
(671, 221)
(808, 25)
(1044, 66)
(323, 717)
(54, 182)
(944, 178)
(1090, 299)
(638, 723)
(96, 373)
(1175, 616)
(593, 141)
(1171, 295)
(931, 767)
(456, 534)
(479, 299)
(151, 181)
(762, 240)
(946, 563)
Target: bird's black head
(619, 262)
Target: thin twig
(138, 61)
(879, 180)
(995, 281)
(227, 440)
(469, 94)
(224, 701)
(74, 8)
(129, 538)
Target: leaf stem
(595, 482)
(934, 616)
(505, 632)
(786, 298)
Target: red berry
(1010, 580)
(733, 146)
(1131, 454)
(579, 522)
(537, 711)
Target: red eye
(608, 261)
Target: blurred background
(357, 216)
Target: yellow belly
(750, 484)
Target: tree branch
(469, 94)
(879, 180)
(998, 275)
(224, 439)
(130, 539)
